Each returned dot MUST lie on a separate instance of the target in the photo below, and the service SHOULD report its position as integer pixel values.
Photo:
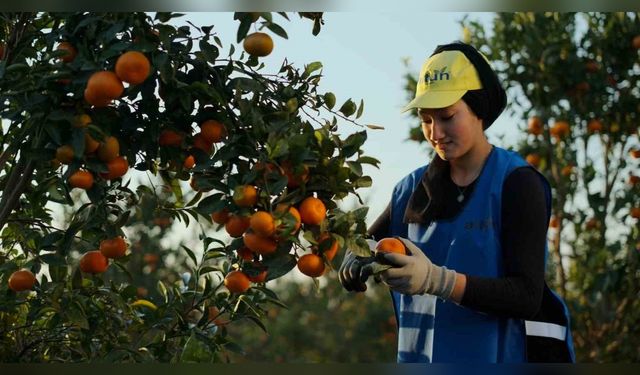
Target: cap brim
(435, 99)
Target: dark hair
(488, 102)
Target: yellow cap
(444, 78)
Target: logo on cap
(438, 75)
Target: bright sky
(362, 54)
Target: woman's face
(452, 131)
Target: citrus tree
(574, 79)
(88, 102)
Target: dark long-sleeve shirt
(518, 293)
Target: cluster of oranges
(97, 261)
(263, 231)
(93, 262)
(102, 88)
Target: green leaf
(76, 316)
(211, 204)
(356, 168)
(279, 266)
(196, 351)
(368, 160)
(210, 51)
(191, 255)
(363, 182)
(243, 29)
(277, 29)
(330, 99)
(348, 108)
(360, 109)
(353, 143)
(311, 68)
(163, 291)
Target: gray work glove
(354, 271)
(415, 274)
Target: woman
(474, 222)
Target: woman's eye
(447, 118)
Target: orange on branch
(70, 51)
(81, 179)
(103, 87)
(312, 211)
(90, 144)
(245, 195)
(262, 223)
(237, 225)
(311, 265)
(533, 159)
(258, 44)
(22, 280)
(65, 154)
(295, 179)
(118, 167)
(189, 162)
(326, 240)
(81, 121)
(93, 262)
(594, 126)
(133, 67)
(282, 208)
(237, 282)
(201, 143)
(109, 149)
(259, 244)
(220, 217)
(213, 131)
(170, 138)
(113, 247)
(245, 253)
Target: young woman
(474, 221)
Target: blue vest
(435, 330)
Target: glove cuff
(441, 282)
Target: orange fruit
(170, 138)
(22, 280)
(634, 180)
(109, 149)
(113, 247)
(70, 50)
(245, 196)
(65, 154)
(263, 223)
(81, 179)
(90, 144)
(567, 170)
(258, 44)
(81, 121)
(93, 262)
(213, 131)
(635, 212)
(535, 125)
(312, 211)
(635, 153)
(260, 277)
(201, 143)
(533, 159)
(92, 97)
(237, 282)
(635, 42)
(329, 243)
(103, 87)
(311, 265)
(391, 245)
(220, 217)
(560, 129)
(133, 67)
(245, 253)
(118, 167)
(295, 179)
(259, 244)
(55, 163)
(237, 225)
(189, 162)
(281, 208)
(554, 222)
(594, 126)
